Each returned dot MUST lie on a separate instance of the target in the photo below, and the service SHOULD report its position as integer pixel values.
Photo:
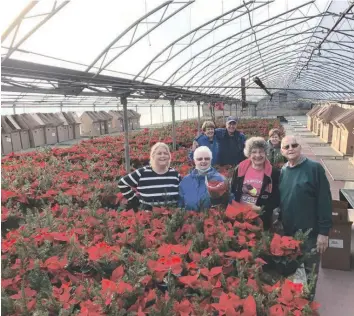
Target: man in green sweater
(305, 200)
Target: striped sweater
(150, 188)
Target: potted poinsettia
(283, 255)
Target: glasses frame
(203, 158)
(293, 146)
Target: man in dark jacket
(231, 143)
(305, 200)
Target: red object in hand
(216, 187)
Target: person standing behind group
(305, 201)
(273, 152)
(231, 143)
(156, 185)
(256, 182)
(207, 138)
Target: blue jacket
(203, 140)
(193, 192)
(230, 147)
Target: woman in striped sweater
(154, 185)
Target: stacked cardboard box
(337, 256)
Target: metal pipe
(198, 129)
(172, 102)
(48, 17)
(18, 20)
(318, 47)
(124, 102)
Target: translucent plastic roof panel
(201, 45)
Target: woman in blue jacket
(204, 186)
(208, 139)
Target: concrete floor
(335, 289)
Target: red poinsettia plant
(75, 250)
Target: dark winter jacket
(269, 194)
(230, 147)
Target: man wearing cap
(231, 143)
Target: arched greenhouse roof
(156, 49)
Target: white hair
(203, 149)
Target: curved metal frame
(238, 65)
(275, 73)
(239, 75)
(324, 96)
(135, 25)
(276, 70)
(259, 65)
(18, 22)
(319, 79)
(193, 41)
(241, 33)
(330, 76)
(233, 36)
(230, 61)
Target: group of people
(272, 176)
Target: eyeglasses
(203, 158)
(286, 147)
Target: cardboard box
(337, 255)
(339, 212)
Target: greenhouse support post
(124, 102)
(172, 102)
(198, 129)
(163, 118)
(14, 108)
(150, 114)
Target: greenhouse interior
(179, 157)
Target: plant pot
(284, 269)
(11, 223)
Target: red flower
(185, 308)
(278, 310)
(217, 187)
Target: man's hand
(322, 243)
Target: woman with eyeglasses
(204, 186)
(154, 185)
(256, 182)
(273, 152)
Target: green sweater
(305, 198)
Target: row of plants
(69, 247)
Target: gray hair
(254, 142)
(203, 149)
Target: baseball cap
(231, 119)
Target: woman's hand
(255, 207)
(195, 145)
